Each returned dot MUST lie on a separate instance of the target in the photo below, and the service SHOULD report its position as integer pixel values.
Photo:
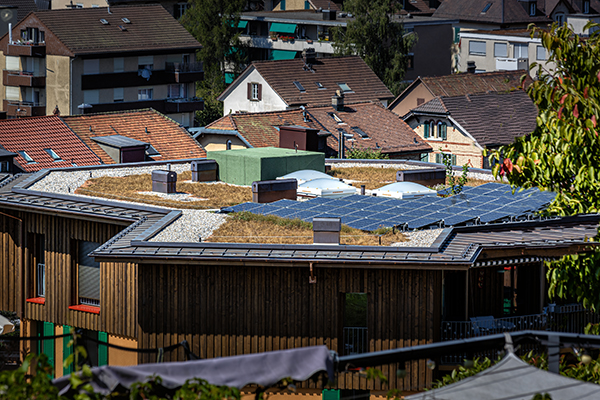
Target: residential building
(501, 50)
(366, 125)
(462, 127)
(57, 142)
(119, 62)
(284, 35)
(423, 89)
(73, 262)
(279, 85)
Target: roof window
(362, 133)
(345, 88)
(319, 85)
(53, 154)
(123, 28)
(299, 86)
(104, 22)
(26, 156)
(486, 8)
(126, 20)
(152, 152)
(335, 117)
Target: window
(426, 130)
(345, 88)
(500, 50)
(540, 53)
(432, 129)
(146, 62)
(299, 86)
(145, 94)
(586, 6)
(410, 61)
(13, 63)
(33, 35)
(442, 128)
(87, 271)
(95, 6)
(320, 85)
(26, 156)
(5, 166)
(91, 66)
(177, 91)
(13, 93)
(439, 158)
(53, 154)
(37, 265)
(425, 157)
(532, 8)
(254, 91)
(355, 323)
(282, 5)
(118, 94)
(91, 96)
(180, 9)
(362, 133)
(118, 64)
(520, 50)
(486, 8)
(477, 48)
(559, 18)
(420, 101)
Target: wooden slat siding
(230, 310)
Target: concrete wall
(237, 100)
(58, 84)
(410, 100)
(432, 52)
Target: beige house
(463, 126)
(118, 62)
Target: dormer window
(26, 156)
(53, 154)
(532, 8)
(33, 35)
(586, 6)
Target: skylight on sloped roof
(104, 22)
(53, 154)
(486, 8)
(299, 86)
(335, 117)
(344, 86)
(26, 156)
(362, 133)
(319, 85)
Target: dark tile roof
(466, 83)
(170, 140)
(151, 28)
(471, 11)
(384, 128)
(352, 70)
(492, 119)
(417, 7)
(33, 135)
(24, 7)
(433, 106)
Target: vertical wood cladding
(118, 311)
(231, 310)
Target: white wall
(237, 100)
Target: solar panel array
(491, 202)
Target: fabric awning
(242, 24)
(282, 28)
(264, 369)
(283, 55)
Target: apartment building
(127, 57)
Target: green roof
(283, 55)
(282, 28)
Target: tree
(379, 41)
(562, 155)
(214, 24)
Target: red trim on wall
(90, 309)
(36, 300)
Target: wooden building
(232, 298)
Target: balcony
(265, 42)
(19, 109)
(26, 49)
(511, 64)
(22, 78)
(165, 106)
(175, 73)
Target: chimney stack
(337, 101)
(309, 55)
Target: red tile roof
(352, 70)
(170, 140)
(384, 128)
(151, 27)
(33, 135)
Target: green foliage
(356, 310)
(214, 24)
(456, 183)
(19, 385)
(283, 222)
(563, 153)
(379, 41)
(463, 372)
(366, 154)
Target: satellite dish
(6, 15)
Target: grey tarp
(264, 369)
(513, 379)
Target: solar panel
(492, 216)
(304, 205)
(347, 219)
(457, 219)
(377, 207)
(362, 223)
(420, 223)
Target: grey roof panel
(118, 141)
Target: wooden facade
(231, 310)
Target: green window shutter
(438, 158)
(456, 34)
(67, 350)
(426, 130)
(102, 349)
(306, 5)
(443, 131)
(282, 5)
(424, 157)
(453, 159)
(331, 394)
(48, 346)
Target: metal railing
(41, 280)
(25, 103)
(184, 67)
(356, 340)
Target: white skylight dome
(306, 175)
(331, 188)
(404, 190)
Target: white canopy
(404, 190)
(513, 379)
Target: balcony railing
(265, 42)
(23, 78)
(356, 340)
(26, 49)
(184, 67)
(18, 109)
(41, 280)
(165, 106)
(511, 64)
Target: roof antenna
(109, 10)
